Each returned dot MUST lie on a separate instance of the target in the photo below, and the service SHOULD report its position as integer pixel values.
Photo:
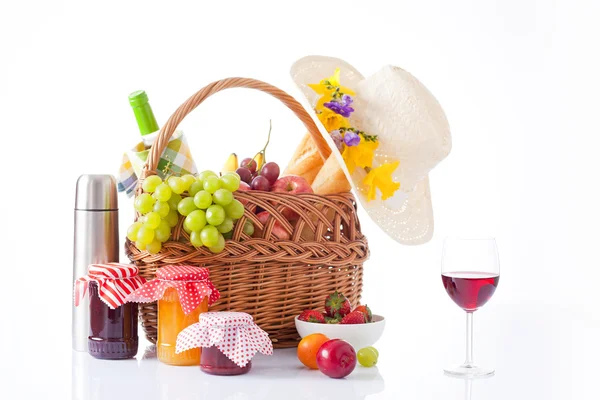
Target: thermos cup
(96, 240)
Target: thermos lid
(96, 193)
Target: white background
(517, 79)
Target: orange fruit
(308, 348)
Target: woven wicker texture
(273, 280)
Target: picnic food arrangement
(263, 252)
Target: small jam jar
(113, 321)
(183, 293)
(228, 340)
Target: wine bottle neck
(145, 119)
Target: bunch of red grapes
(258, 180)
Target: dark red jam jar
(113, 332)
(113, 320)
(213, 362)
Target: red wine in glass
(470, 290)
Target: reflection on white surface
(278, 377)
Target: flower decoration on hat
(357, 148)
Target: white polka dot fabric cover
(192, 285)
(234, 333)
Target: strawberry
(337, 305)
(365, 310)
(312, 316)
(355, 317)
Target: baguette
(331, 178)
(306, 161)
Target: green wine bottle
(144, 116)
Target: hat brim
(407, 217)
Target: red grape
(249, 163)
(260, 183)
(270, 171)
(336, 358)
(245, 174)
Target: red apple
(291, 184)
(278, 230)
(336, 358)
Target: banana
(231, 164)
(260, 159)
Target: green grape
(145, 235)
(144, 203)
(154, 247)
(152, 220)
(203, 199)
(188, 230)
(176, 184)
(141, 246)
(195, 188)
(195, 239)
(186, 206)
(215, 215)
(219, 246)
(151, 183)
(235, 209)
(142, 219)
(212, 184)
(188, 180)
(163, 232)
(230, 181)
(163, 192)
(161, 208)
(172, 218)
(367, 357)
(226, 225)
(196, 220)
(132, 231)
(249, 228)
(374, 349)
(222, 197)
(205, 174)
(209, 236)
(228, 235)
(174, 201)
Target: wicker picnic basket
(273, 280)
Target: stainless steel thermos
(96, 240)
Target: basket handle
(168, 129)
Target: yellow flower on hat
(381, 178)
(331, 120)
(329, 85)
(360, 155)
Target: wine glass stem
(469, 360)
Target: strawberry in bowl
(357, 326)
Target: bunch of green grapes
(208, 206)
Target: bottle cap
(96, 193)
(138, 98)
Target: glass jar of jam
(214, 362)
(171, 321)
(228, 340)
(113, 321)
(183, 293)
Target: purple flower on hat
(337, 139)
(351, 138)
(342, 106)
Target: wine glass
(470, 273)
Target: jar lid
(192, 285)
(234, 333)
(115, 283)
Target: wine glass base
(471, 371)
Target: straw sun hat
(411, 128)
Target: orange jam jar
(183, 293)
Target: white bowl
(358, 335)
